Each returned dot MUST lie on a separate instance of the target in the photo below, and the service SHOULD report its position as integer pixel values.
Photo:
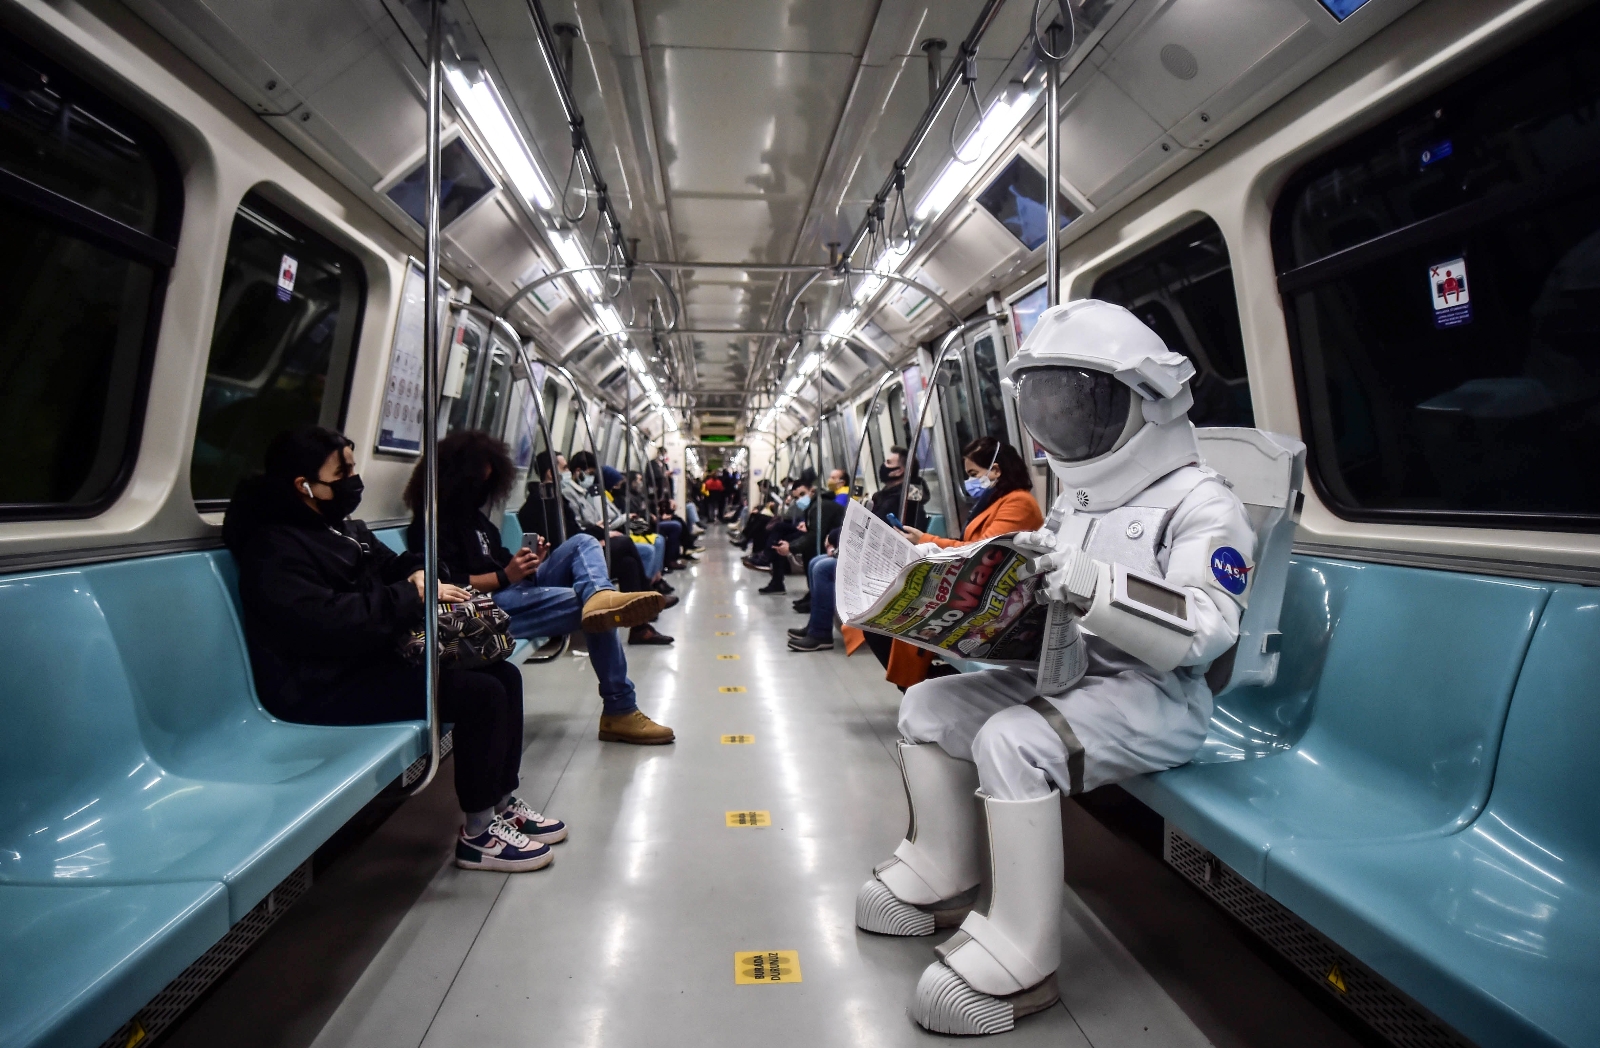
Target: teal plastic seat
(1494, 927)
(1384, 722)
(76, 961)
(154, 802)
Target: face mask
(976, 486)
(346, 497)
(803, 502)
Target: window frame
(158, 250)
(281, 212)
(1291, 280)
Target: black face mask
(887, 474)
(346, 497)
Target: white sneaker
(501, 847)
(533, 825)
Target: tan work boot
(612, 609)
(633, 727)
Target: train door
(463, 370)
(970, 406)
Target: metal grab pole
(430, 411)
(1052, 167)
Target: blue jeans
(691, 513)
(672, 531)
(820, 573)
(653, 556)
(550, 604)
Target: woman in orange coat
(1003, 485)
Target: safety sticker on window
(1452, 301)
(286, 274)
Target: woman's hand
(523, 564)
(917, 537)
(453, 594)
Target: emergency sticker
(749, 818)
(286, 274)
(1230, 569)
(766, 967)
(1452, 302)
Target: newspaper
(976, 601)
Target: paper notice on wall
(1452, 301)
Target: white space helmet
(1106, 399)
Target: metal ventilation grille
(447, 742)
(166, 1007)
(1396, 1017)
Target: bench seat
(1383, 724)
(1434, 803)
(76, 961)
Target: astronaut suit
(1150, 551)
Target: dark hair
(463, 488)
(581, 460)
(897, 450)
(301, 452)
(542, 464)
(1014, 474)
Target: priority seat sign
(1452, 300)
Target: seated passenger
(546, 593)
(325, 605)
(1002, 486)
(585, 508)
(806, 544)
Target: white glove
(1043, 541)
(1070, 576)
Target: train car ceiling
(726, 136)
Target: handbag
(472, 634)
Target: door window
(281, 347)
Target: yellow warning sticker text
(765, 967)
(749, 818)
(726, 658)
(732, 689)
(737, 740)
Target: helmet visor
(1076, 413)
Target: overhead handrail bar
(430, 404)
(580, 136)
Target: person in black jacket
(326, 606)
(546, 593)
(804, 544)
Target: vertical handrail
(1052, 258)
(430, 410)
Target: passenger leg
(817, 635)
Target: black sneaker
(798, 632)
(772, 587)
(810, 643)
(803, 605)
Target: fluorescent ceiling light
(573, 257)
(493, 121)
(610, 321)
(843, 323)
(635, 361)
(649, 384)
(888, 262)
(809, 365)
(1004, 114)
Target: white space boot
(1002, 964)
(933, 878)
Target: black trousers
(627, 567)
(485, 705)
(755, 531)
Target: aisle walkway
(629, 939)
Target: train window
(90, 206)
(1441, 277)
(282, 346)
(1016, 199)
(986, 372)
(1183, 289)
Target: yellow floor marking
(732, 689)
(724, 633)
(726, 658)
(766, 967)
(737, 740)
(749, 818)
(722, 615)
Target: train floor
(629, 938)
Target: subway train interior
(394, 391)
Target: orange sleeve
(1018, 511)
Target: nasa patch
(1230, 569)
